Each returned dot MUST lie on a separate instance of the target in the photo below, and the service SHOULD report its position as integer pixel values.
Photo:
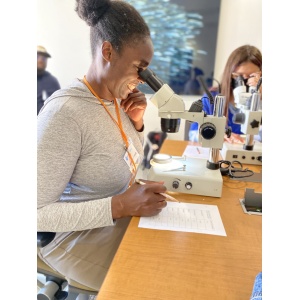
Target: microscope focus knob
(208, 130)
(175, 184)
(254, 124)
(228, 132)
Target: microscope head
(161, 99)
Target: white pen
(163, 194)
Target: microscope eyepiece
(147, 75)
(151, 79)
(239, 81)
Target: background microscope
(250, 118)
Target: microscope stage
(195, 178)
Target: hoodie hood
(76, 89)
(66, 97)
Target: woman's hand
(234, 138)
(139, 200)
(135, 105)
(253, 79)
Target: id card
(135, 161)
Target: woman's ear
(106, 50)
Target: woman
(90, 142)
(247, 62)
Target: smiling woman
(90, 143)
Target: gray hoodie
(80, 160)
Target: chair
(56, 286)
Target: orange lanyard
(118, 123)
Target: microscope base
(196, 179)
(236, 152)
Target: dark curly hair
(115, 21)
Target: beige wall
(240, 23)
(66, 37)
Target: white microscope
(249, 117)
(185, 174)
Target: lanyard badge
(131, 157)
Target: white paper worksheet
(188, 217)
(196, 151)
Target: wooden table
(170, 265)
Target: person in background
(192, 86)
(47, 84)
(90, 143)
(246, 61)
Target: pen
(163, 194)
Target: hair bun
(91, 11)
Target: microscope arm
(250, 120)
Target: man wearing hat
(47, 84)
